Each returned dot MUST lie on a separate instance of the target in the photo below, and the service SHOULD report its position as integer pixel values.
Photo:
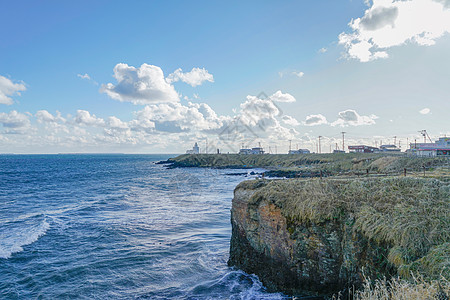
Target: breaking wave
(14, 236)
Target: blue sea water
(117, 227)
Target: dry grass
(411, 215)
(300, 165)
(399, 289)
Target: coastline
(312, 235)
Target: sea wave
(14, 236)
(234, 284)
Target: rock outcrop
(319, 237)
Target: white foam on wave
(13, 238)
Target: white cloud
(175, 117)
(255, 111)
(261, 116)
(162, 125)
(15, 122)
(425, 111)
(194, 78)
(280, 97)
(43, 116)
(85, 118)
(288, 120)
(323, 50)
(314, 120)
(116, 123)
(143, 85)
(8, 89)
(350, 117)
(85, 76)
(389, 23)
(298, 74)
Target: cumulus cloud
(8, 89)
(323, 50)
(314, 120)
(288, 120)
(351, 118)
(143, 85)
(85, 118)
(194, 78)
(389, 23)
(262, 116)
(156, 123)
(116, 123)
(15, 122)
(43, 116)
(255, 111)
(425, 111)
(175, 117)
(379, 17)
(280, 97)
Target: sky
(158, 76)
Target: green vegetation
(398, 289)
(312, 165)
(406, 215)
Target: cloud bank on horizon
(164, 115)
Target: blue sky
(354, 66)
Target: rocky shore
(318, 237)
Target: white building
(299, 151)
(389, 148)
(256, 150)
(440, 147)
(195, 150)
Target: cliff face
(318, 246)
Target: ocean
(117, 227)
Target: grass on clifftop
(329, 163)
(412, 215)
(398, 289)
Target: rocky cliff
(318, 237)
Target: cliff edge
(319, 237)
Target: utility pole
(320, 150)
(343, 139)
(395, 140)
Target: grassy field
(300, 165)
